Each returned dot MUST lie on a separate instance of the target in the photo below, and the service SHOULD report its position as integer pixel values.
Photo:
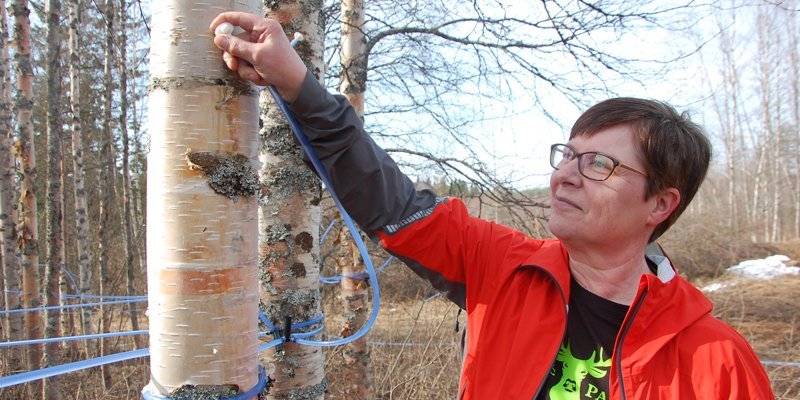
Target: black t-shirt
(583, 363)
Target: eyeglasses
(591, 164)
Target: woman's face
(602, 213)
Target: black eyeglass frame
(575, 154)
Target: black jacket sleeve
(369, 183)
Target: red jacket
(517, 289)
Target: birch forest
(162, 236)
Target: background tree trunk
(202, 231)
(768, 135)
(108, 186)
(127, 221)
(51, 389)
(353, 79)
(8, 200)
(28, 211)
(354, 292)
(289, 223)
(794, 75)
(67, 282)
(81, 217)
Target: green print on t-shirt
(574, 370)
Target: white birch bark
(353, 79)
(289, 218)
(51, 388)
(202, 184)
(66, 281)
(127, 219)
(794, 71)
(108, 198)
(28, 234)
(768, 134)
(8, 199)
(81, 215)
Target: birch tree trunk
(127, 221)
(794, 71)
(28, 239)
(353, 81)
(202, 231)
(51, 387)
(137, 191)
(768, 134)
(8, 206)
(66, 282)
(356, 354)
(289, 218)
(138, 165)
(726, 107)
(81, 216)
(731, 115)
(107, 183)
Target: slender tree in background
(289, 218)
(353, 79)
(8, 199)
(356, 371)
(127, 221)
(768, 134)
(108, 197)
(51, 387)
(81, 217)
(726, 108)
(67, 282)
(794, 76)
(352, 54)
(202, 232)
(28, 231)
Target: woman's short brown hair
(675, 151)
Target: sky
(522, 140)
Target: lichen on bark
(306, 393)
(204, 392)
(230, 175)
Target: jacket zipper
(566, 310)
(622, 335)
(564, 332)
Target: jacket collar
(552, 257)
(668, 299)
(664, 269)
(665, 308)
(669, 302)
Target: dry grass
(766, 314)
(415, 352)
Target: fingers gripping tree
(201, 208)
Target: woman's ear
(665, 202)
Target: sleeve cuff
(308, 100)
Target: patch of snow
(767, 268)
(717, 286)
